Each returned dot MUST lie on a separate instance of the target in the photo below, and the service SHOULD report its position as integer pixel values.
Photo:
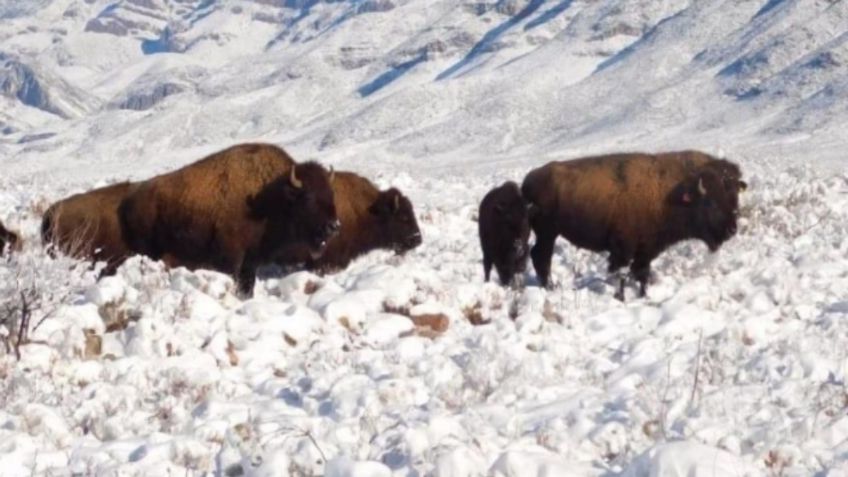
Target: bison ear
(743, 186)
(387, 203)
(380, 208)
(395, 202)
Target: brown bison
(232, 211)
(86, 226)
(370, 219)
(7, 237)
(632, 205)
(504, 228)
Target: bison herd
(252, 204)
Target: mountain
(426, 83)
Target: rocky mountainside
(428, 82)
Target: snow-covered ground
(735, 364)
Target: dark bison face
(299, 209)
(714, 207)
(514, 217)
(730, 175)
(8, 239)
(313, 206)
(396, 220)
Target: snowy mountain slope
(427, 79)
(733, 365)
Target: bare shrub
(32, 289)
(474, 314)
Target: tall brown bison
(370, 219)
(86, 226)
(232, 211)
(7, 237)
(632, 205)
(504, 228)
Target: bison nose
(332, 228)
(414, 240)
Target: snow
(734, 364)
(329, 375)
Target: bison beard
(232, 211)
(633, 206)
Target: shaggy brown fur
(370, 219)
(86, 226)
(631, 205)
(232, 211)
(504, 229)
(7, 237)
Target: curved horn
(701, 189)
(397, 202)
(332, 174)
(294, 180)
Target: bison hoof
(244, 293)
(619, 295)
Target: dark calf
(7, 237)
(504, 230)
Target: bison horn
(332, 174)
(397, 202)
(294, 180)
(701, 189)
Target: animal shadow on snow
(595, 279)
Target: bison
(232, 211)
(633, 206)
(86, 226)
(370, 219)
(504, 228)
(7, 237)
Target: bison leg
(616, 261)
(641, 270)
(505, 273)
(487, 266)
(246, 279)
(111, 267)
(541, 254)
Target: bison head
(299, 208)
(730, 174)
(713, 205)
(396, 220)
